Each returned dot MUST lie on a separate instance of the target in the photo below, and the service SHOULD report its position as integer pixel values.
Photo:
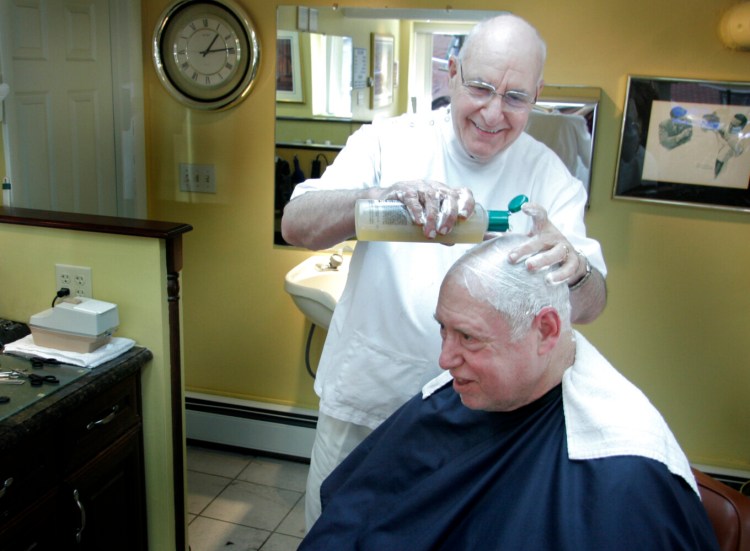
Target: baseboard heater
(248, 425)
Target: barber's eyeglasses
(482, 93)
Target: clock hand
(208, 49)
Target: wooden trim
(92, 223)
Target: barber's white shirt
(383, 343)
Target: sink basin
(315, 287)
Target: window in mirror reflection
(331, 58)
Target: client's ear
(548, 325)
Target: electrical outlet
(197, 178)
(75, 278)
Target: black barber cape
(437, 475)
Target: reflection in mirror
(331, 62)
(564, 119)
(310, 134)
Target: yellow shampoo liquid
(376, 220)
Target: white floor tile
(277, 473)
(202, 489)
(280, 542)
(206, 534)
(253, 505)
(243, 502)
(294, 523)
(218, 462)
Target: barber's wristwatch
(581, 282)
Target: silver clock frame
(245, 85)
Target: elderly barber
(529, 440)
(380, 347)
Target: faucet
(334, 262)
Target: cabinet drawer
(97, 424)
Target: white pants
(334, 440)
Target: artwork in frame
(382, 70)
(288, 71)
(685, 142)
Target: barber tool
(11, 378)
(17, 378)
(39, 380)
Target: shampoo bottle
(376, 220)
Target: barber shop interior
(351, 275)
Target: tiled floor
(244, 502)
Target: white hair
(511, 289)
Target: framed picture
(685, 142)
(288, 75)
(382, 70)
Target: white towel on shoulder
(607, 416)
(115, 347)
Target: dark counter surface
(67, 398)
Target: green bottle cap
(498, 220)
(517, 202)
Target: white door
(61, 134)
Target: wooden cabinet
(75, 481)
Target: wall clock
(206, 53)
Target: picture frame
(288, 70)
(685, 142)
(382, 48)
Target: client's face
(490, 371)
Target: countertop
(64, 400)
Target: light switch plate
(197, 178)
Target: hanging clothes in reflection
(567, 135)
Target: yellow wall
(677, 317)
(130, 272)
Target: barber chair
(728, 510)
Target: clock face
(206, 53)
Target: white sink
(315, 287)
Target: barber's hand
(433, 205)
(547, 246)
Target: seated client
(530, 439)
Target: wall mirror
(337, 80)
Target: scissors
(39, 380)
(36, 361)
(16, 377)
(41, 362)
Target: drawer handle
(79, 532)
(104, 420)
(6, 485)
